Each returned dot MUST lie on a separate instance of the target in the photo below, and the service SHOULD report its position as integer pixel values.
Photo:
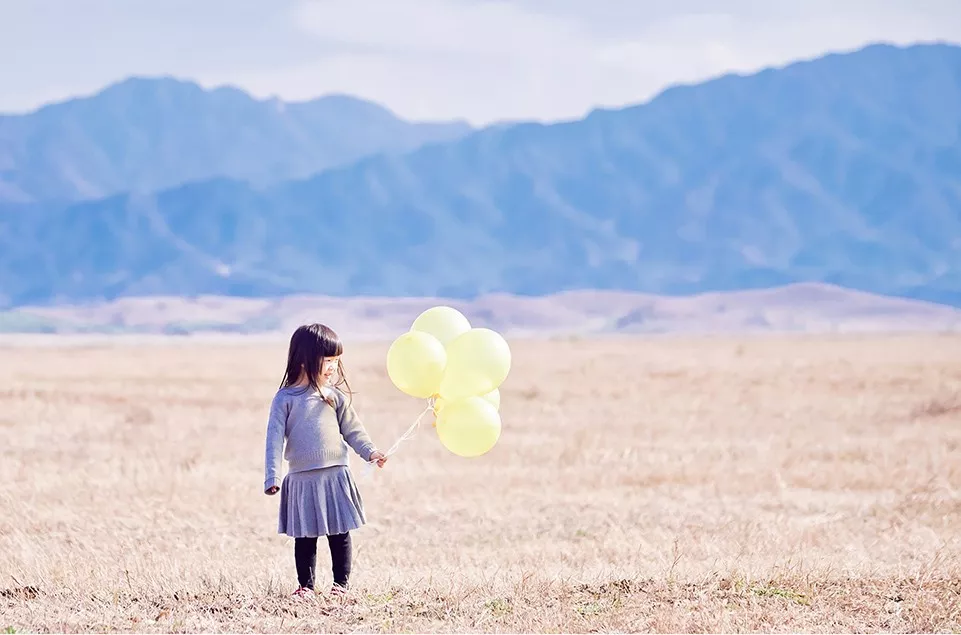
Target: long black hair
(309, 345)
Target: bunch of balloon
(459, 369)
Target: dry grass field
(663, 484)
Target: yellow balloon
(493, 397)
(469, 427)
(477, 362)
(443, 322)
(415, 363)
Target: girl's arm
(276, 429)
(352, 428)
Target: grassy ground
(767, 484)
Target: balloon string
(408, 434)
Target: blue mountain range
(844, 169)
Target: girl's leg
(340, 558)
(305, 557)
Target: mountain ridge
(148, 134)
(798, 308)
(841, 170)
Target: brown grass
(713, 484)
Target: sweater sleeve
(276, 429)
(352, 428)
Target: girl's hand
(379, 458)
(273, 490)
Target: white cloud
(442, 58)
(431, 27)
(543, 60)
(429, 59)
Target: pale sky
(438, 59)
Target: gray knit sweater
(317, 435)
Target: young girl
(314, 416)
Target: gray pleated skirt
(320, 503)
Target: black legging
(305, 557)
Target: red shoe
(338, 591)
(303, 593)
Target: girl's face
(328, 367)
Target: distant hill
(843, 170)
(801, 308)
(148, 134)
